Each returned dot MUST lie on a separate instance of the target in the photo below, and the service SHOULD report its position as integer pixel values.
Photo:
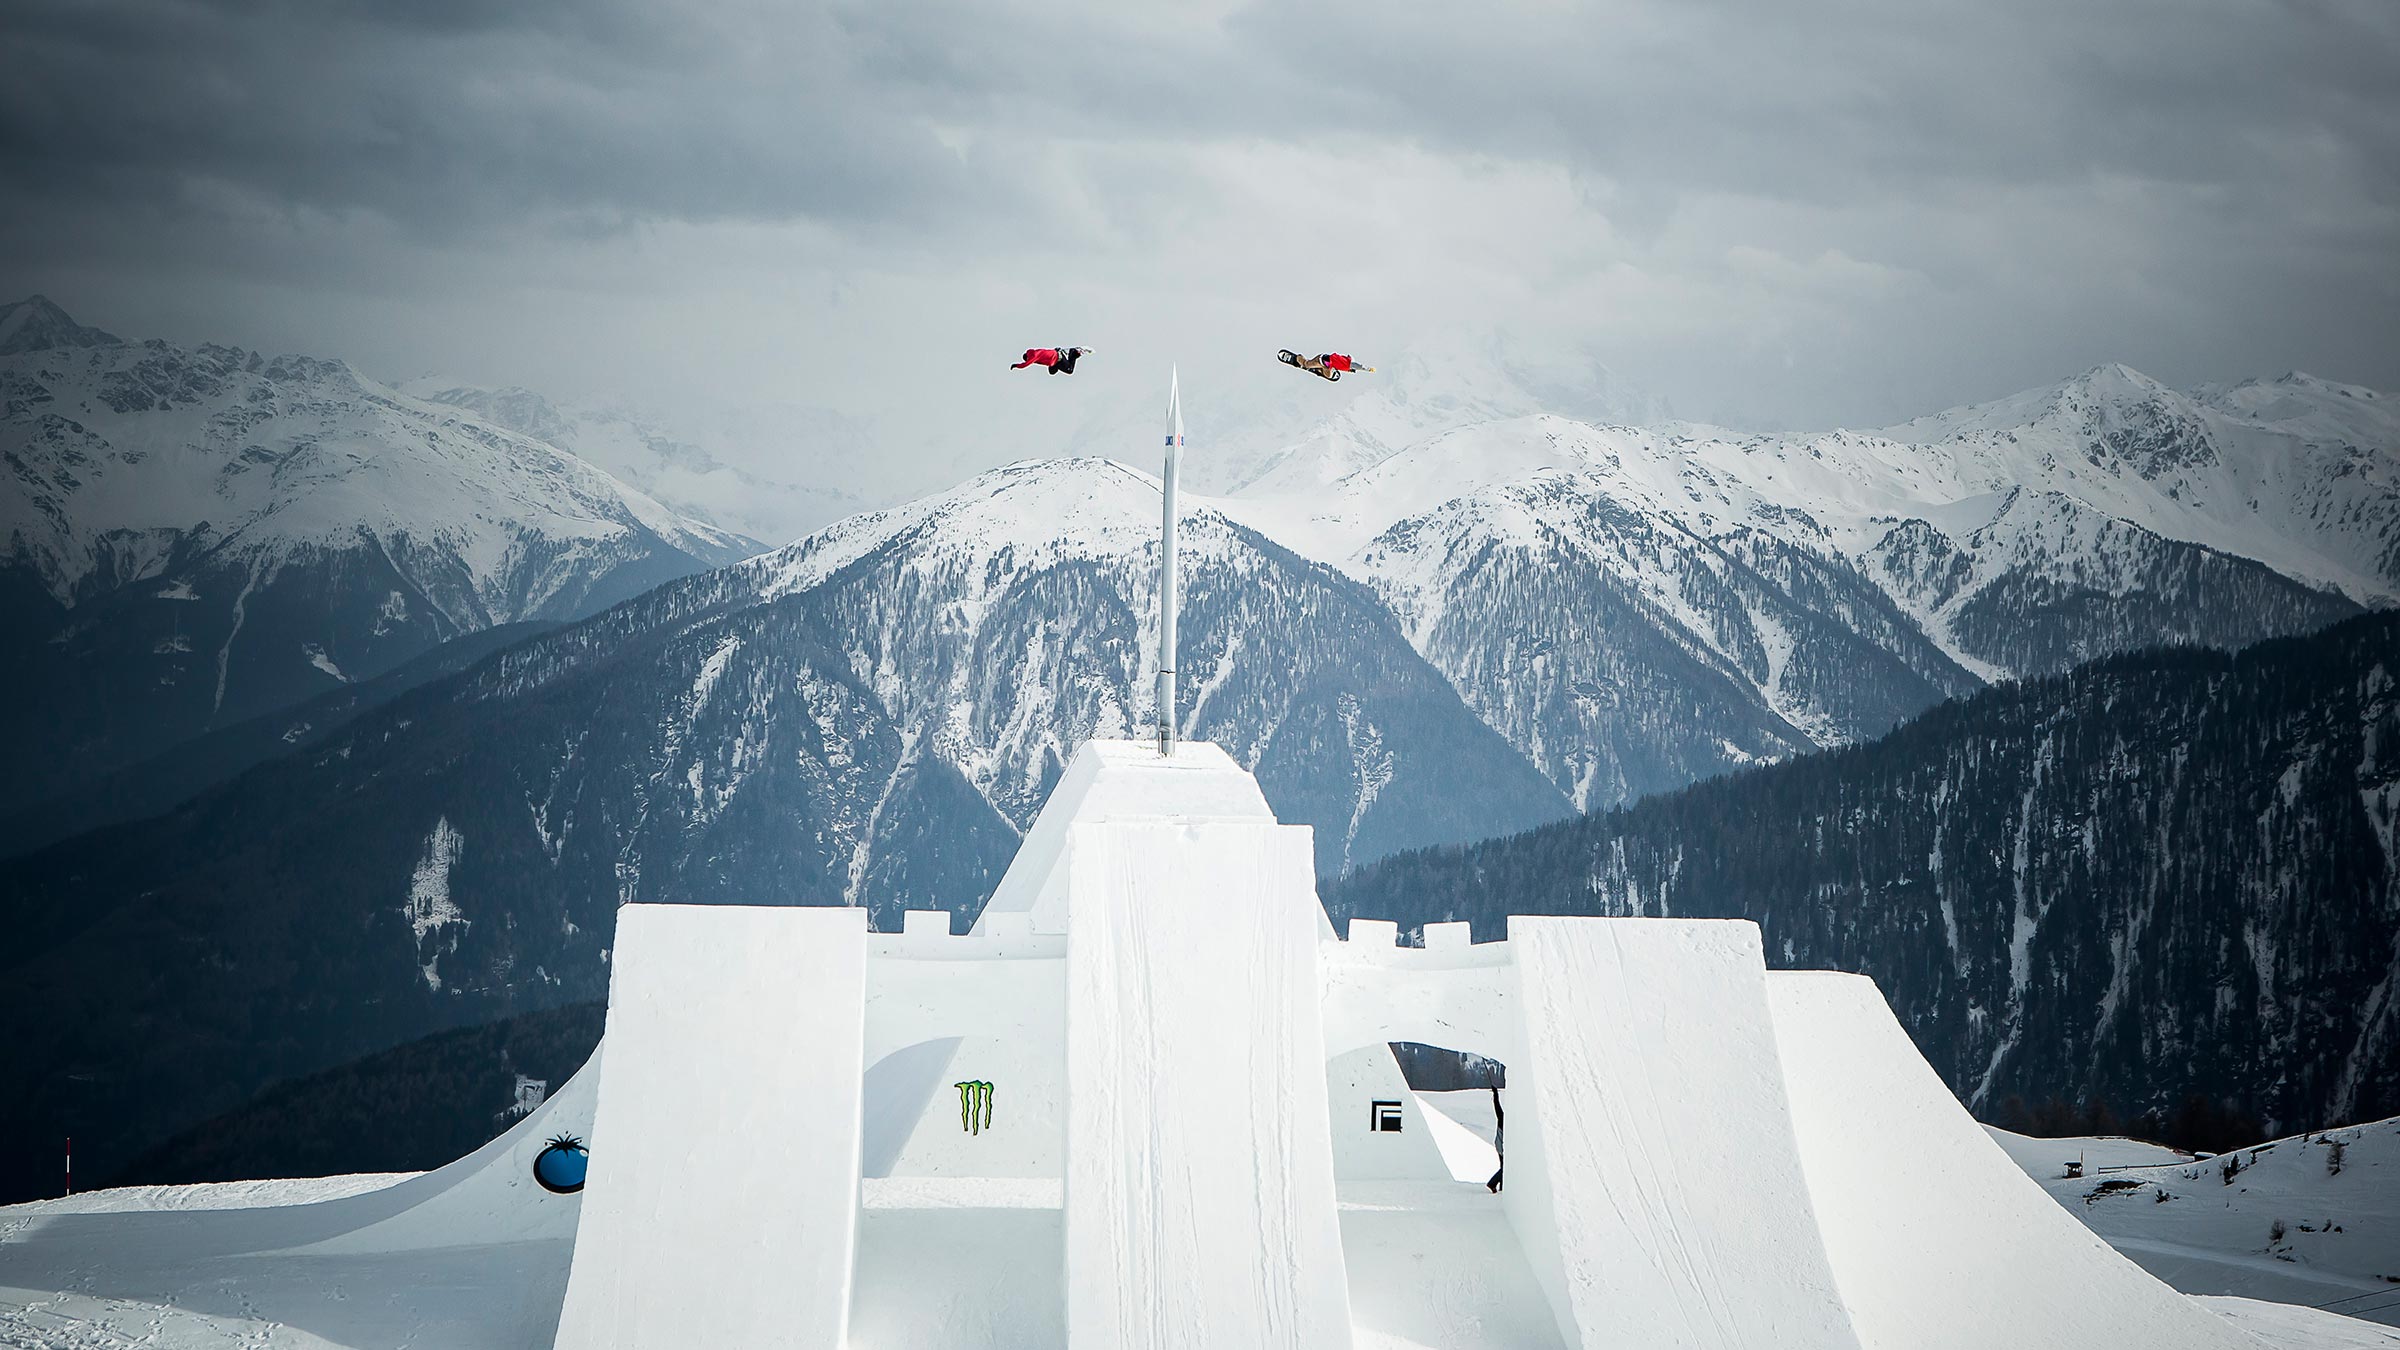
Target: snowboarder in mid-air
(1056, 360)
(1324, 365)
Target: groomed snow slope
(2293, 1221)
(470, 1255)
(1978, 1260)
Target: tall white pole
(1166, 570)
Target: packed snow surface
(472, 1254)
(2281, 1326)
(1921, 1261)
(1675, 1191)
(2313, 1219)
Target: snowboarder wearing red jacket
(1052, 359)
(1324, 365)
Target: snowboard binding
(1301, 362)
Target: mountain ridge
(35, 323)
(190, 537)
(2055, 530)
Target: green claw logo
(974, 1106)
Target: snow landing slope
(1635, 608)
(870, 717)
(2311, 1219)
(191, 537)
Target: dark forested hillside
(410, 1108)
(2154, 877)
(157, 784)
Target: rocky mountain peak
(35, 324)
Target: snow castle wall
(1123, 781)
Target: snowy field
(2292, 1224)
(120, 1268)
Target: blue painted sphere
(560, 1168)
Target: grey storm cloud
(450, 109)
(1781, 212)
(453, 116)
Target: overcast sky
(1768, 213)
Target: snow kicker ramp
(471, 1255)
(1200, 1204)
(1935, 1237)
(1655, 1178)
(722, 1202)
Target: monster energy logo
(974, 1106)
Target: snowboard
(1294, 359)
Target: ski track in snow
(225, 653)
(2026, 914)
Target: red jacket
(1037, 356)
(1337, 361)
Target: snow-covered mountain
(1438, 610)
(2309, 486)
(35, 324)
(1635, 608)
(193, 536)
(774, 482)
(870, 715)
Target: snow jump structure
(1148, 1103)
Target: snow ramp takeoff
(1936, 1238)
(1199, 1183)
(722, 1206)
(1659, 1156)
